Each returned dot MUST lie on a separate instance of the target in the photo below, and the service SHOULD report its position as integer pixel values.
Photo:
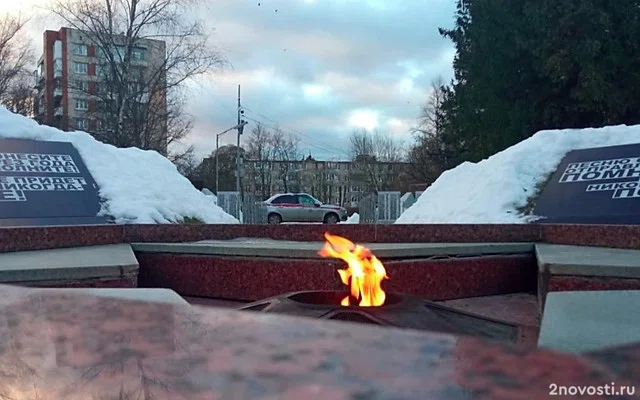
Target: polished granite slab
(69, 264)
(73, 346)
(585, 321)
(262, 247)
(558, 259)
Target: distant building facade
(69, 80)
(337, 182)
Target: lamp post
(239, 126)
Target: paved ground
(579, 322)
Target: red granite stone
(195, 232)
(51, 237)
(443, 233)
(76, 347)
(492, 372)
(253, 279)
(618, 236)
(458, 278)
(520, 309)
(357, 233)
(235, 278)
(516, 308)
(315, 232)
(623, 360)
(566, 283)
(40, 238)
(528, 336)
(171, 233)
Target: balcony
(57, 92)
(58, 112)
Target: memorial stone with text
(597, 185)
(45, 183)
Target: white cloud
(366, 119)
(316, 93)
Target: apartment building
(70, 80)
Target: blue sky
(318, 69)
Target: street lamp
(240, 125)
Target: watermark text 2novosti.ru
(602, 390)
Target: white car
(302, 207)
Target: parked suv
(302, 207)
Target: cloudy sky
(316, 68)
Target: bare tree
(19, 97)
(285, 150)
(260, 150)
(141, 106)
(371, 152)
(186, 161)
(430, 155)
(375, 145)
(15, 56)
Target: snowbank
(137, 186)
(353, 219)
(210, 195)
(492, 190)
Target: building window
(81, 50)
(82, 123)
(81, 85)
(81, 68)
(139, 54)
(82, 105)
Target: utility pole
(238, 155)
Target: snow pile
(210, 195)
(136, 186)
(492, 190)
(353, 219)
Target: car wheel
(274, 219)
(331, 219)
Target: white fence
(384, 208)
(230, 203)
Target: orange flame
(364, 273)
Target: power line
(314, 143)
(303, 140)
(300, 134)
(325, 147)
